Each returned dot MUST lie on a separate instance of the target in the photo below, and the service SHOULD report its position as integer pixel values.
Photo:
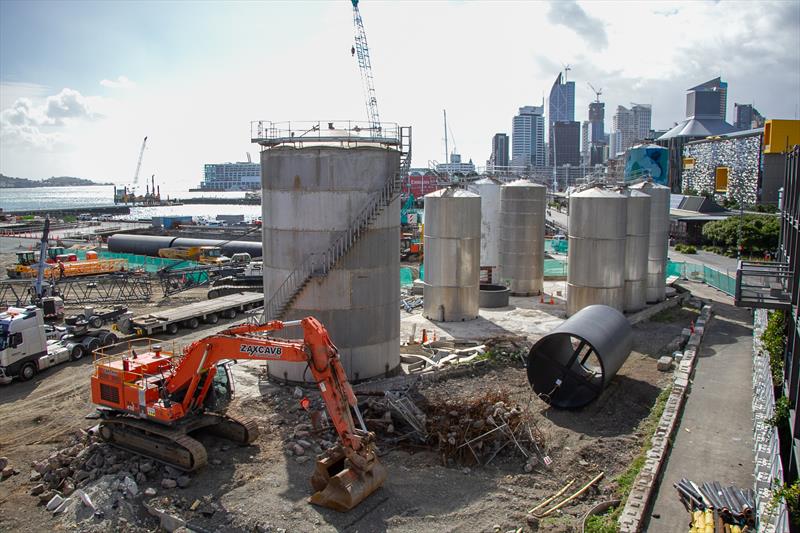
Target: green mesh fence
(406, 277)
(710, 276)
(554, 268)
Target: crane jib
(256, 349)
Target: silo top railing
(341, 132)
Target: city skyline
(63, 115)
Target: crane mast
(139, 164)
(361, 50)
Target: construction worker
(60, 269)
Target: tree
(759, 234)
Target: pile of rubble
(475, 432)
(433, 355)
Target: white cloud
(570, 14)
(122, 82)
(26, 123)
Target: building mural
(728, 167)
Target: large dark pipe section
(150, 244)
(571, 366)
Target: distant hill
(7, 182)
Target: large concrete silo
(312, 193)
(522, 221)
(597, 230)
(452, 255)
(659, 239)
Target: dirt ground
(264, 486)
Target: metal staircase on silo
(319, 265)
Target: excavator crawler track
(171, 446)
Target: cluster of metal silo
(489, 191)
(452, 255)
(311, 196)
(659, 239)
(597, 236)
(636, 249)
(522, 227)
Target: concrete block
(665, 363)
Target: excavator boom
(153, 399)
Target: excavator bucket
(340, 486)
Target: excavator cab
(222, 389)
(26, 258)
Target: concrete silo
(315, 191)
(452, 255)
(489, 191)
(659, 239)
(522, 221)
(636, 249)
(597, 230)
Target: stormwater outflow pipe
(570, 366)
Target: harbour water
(43, 198)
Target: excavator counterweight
(151, 400)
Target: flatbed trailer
(190, 315)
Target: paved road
(720, 262)
(714, 437)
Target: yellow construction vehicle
(27, 266)
(208, 255)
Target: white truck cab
(24, 348)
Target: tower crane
(361, 51)
(597, 92)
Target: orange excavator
(151, 401)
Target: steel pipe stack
(597, 231)
(452, 255)
(522, 222)
(659, 239)
(637, 240)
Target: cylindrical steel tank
(659, 239)
(522, 221)
(637, 238)
(127, 243)
(150, 244)
(452, 255)
(596, 257)
(489, 191)
(570, 366)
(310, 196)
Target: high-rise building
(566, 143)
(597, 117)
(642, 118)
(499, 150)
(630, 126)
(586, 144)
(455, 166)
(527, 137)
(747, 117)
(562, 109)
(231, 177)
(718, 86)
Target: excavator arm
(246, 342)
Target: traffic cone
(552, 302)
(424, 336)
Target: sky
(82, 83)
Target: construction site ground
(263, 487)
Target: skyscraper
(499, 150)
(567, 143)
(527, 137)
(719, 86)
(597, 133)
(747, 117)
(562, 109)
(631, 126)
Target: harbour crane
(597, 92)
(138, 166)
(361, 51)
